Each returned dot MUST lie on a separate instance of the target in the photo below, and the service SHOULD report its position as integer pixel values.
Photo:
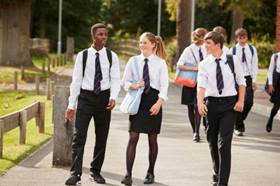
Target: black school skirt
(143, 122)
(188, 95)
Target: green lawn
(13, 153)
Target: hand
(154, 110)
(239, 106)
(270, 89)
(111, 104)
(254, 87)
(69, 114)
(202, 109)
(137, 85)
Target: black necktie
(200, 54)
(146, 77)
(98, 75)
(243, 56)
(219, 76)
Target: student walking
(248, 57)
(218, 76)
(189, 61)
(273, 75)
(95, 85)
(153, 69)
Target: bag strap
(85, 55)
(231, 66)
(194, 56)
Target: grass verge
(13, 153)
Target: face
(211, 47)
(146, 46)
(100, 36)
(242, 40)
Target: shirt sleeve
(270, 70)
(76, 84)
(239, 74)
(115, 77)
(202, 77)
(255, 67)
(184, 58)
(127, 75)
(164, 82)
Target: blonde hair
(159, 44)
(198, 35)
(221, 30)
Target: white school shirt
(225, 49)
(251, 69)
(271, 67)
(207, 76)
(191, 55)
(109, 81)
(157, 71)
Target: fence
(127, 47)
(19, 119)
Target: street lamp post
(159, 17)
(59, 28)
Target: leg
(224, 144)
(212, 136)
(131, 151)
(247, 106)
(273, 112)
(191, 116)
(79, 140)
(102, 120)
(153, 152)
(197, 123)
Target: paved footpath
(181, 162)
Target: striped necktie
(219, 76)
(98, 75)
(146, 77)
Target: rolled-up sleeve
(239, 74)
(255, 67)
(164, 82)
(202, 77)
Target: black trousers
(220, 124)
(91, 105)
(248, 103)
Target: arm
(202, 109)
(186, 57)
(202, 81)
(164, 83)
(114, 81)
(255, 69)
(75, 87)
(270, 74)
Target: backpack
(85, 55)
(250, 46)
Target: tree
(183, 27)
(14, 32)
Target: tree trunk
(183, 25)
(15, 33)
(277, 46)
(237, 20)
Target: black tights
(131, 152)
(194, 117)
(274, 111)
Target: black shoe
(127, 180)
(149, 179)
(215, 180)
(269, 126)
(97, 178)
(196, 137)
(73, 180)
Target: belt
(92, 92)
(221, 99)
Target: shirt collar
(94, 50)
(150, 57)
(223, 57)
(238, 45)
